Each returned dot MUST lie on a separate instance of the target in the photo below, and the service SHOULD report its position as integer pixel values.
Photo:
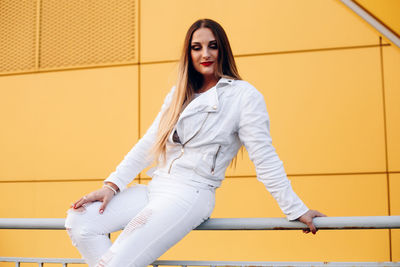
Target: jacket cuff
(294, 216)
(117, 182)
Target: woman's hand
(103, 194)
(307, 218)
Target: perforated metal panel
(17, 35)
(86, 32)
(71, 33)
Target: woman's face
(204, 52)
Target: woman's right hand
(103, 194)
(307, 218)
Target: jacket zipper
(215, 160)
(182, 151)
(183, 145)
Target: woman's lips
(206, 63)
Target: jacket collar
(207, 101)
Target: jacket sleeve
(255, 135)
(138, 157)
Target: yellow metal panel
(156, 80)
(325, 109)
(76, 33)
(334, 195)
(341, 195)
(339, 245)
(391, 67)
(18, 35)
(386, 11)
(67, 34)
(394, 193)
(252, 27)
(42, 199)
(37, 243)
(67, 125)
(395, 210)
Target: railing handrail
(360, 222)
(340, 223)
(66, 261)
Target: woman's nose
(206, 53)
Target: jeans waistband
(164, 176)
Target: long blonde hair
(189, 80)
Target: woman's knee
(78, 225)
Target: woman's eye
(213, 46)
(196, 48)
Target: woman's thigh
(172, 212)
(119, 211)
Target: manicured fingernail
(101, 211)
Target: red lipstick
(206, 63)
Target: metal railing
(64, 263)
(322, 223)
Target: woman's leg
(172, 212)
(88, 229)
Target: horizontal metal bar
(41, 260)
(340, 223)
(32, 223)
(270, 263)
(208, 263)
(362, 222)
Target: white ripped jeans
(154, 218)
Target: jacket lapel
(194, 115)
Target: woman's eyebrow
(212, 41)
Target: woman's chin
(208, 74)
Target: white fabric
(212, 128)
(154, 218)
(196, 95)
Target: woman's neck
(208, 83)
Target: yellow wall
(332, 91)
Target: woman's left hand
(307, 218)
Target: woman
(203, 122)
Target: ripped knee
(79, 234)
(75, 220)
(71, 235)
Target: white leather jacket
(211, 130)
